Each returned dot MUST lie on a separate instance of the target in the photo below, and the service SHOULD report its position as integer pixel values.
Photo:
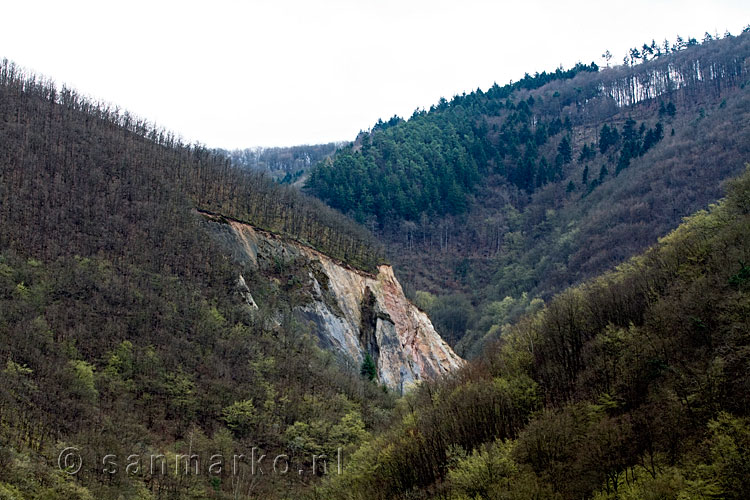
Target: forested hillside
(127, 330)
(492, 202)
(122, 330)
(630, 386)
(45, 162)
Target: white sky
(236, 74)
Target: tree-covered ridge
(122, 330)
(632, 385)
(587, 171)
(431, 163)
(45, 160)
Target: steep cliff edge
(351, 312)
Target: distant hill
(285, 165)
(493, 201)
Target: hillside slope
(494, 199)
(124, 331)
(631, 385)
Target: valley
(540, 290)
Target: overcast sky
(236, 74)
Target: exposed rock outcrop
(351, 312)
(245, 292)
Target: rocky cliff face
(351, 312)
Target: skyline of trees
(43, 156)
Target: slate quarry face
(352, 313)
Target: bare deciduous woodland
(582, 236)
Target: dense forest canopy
(494, 201)
(432, 162)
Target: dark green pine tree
(565, 151)
(540, 135)
(584, 154)
(631, 144)
(585, 176)
(368, 369)
(653, 136)
(608, 136)
(555, 127)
